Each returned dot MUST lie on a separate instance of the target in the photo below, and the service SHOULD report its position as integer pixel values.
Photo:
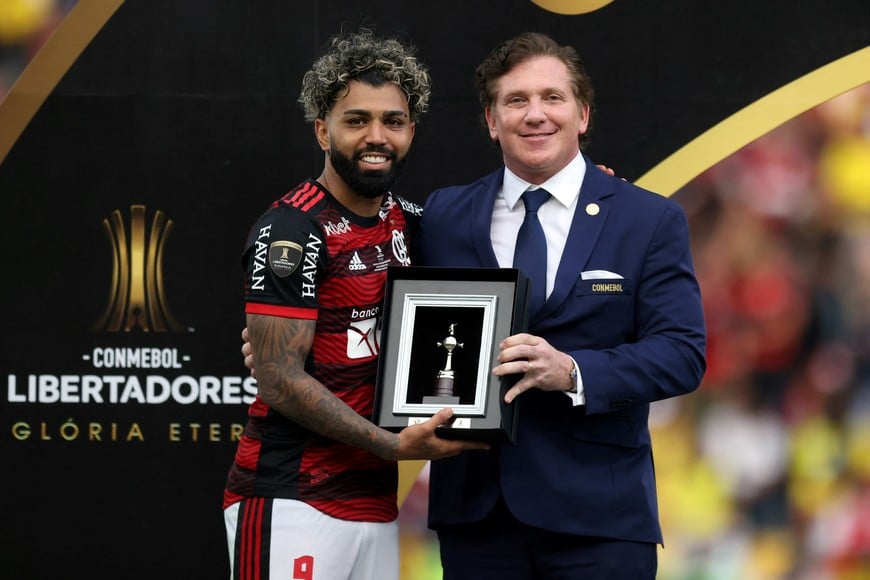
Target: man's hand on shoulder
(605, 169)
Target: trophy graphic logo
(136, 295)
(444, 378)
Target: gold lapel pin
(592, 209)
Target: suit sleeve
(666, 358)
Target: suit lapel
(483, 201)
(585, 230)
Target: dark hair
(363, 56)
(528, 45)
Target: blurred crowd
(24, 27)
(764, 473)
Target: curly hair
(365, 57)
(528, 45)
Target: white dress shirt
(556, 216)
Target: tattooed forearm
(281, 346)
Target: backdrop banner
(146, 137)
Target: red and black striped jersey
(310, 257)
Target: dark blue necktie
(530, 255)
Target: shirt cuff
(578, 398)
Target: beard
(369, 184)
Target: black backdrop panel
(116, 470)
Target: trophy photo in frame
(439, 341)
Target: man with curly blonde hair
(312, 490)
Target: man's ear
(584, 119)
(321, 132)
(490, 123)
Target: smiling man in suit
(616, 324)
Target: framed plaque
(440, 333)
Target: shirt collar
(564, 186)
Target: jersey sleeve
(284, 261)
(412, 213)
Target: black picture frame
(440, 333)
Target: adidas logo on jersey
(356, 263)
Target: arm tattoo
(282, 346)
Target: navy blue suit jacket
(627, 307)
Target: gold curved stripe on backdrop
(409, 471)
(571, 7)
(45, 70)
(753, 121)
